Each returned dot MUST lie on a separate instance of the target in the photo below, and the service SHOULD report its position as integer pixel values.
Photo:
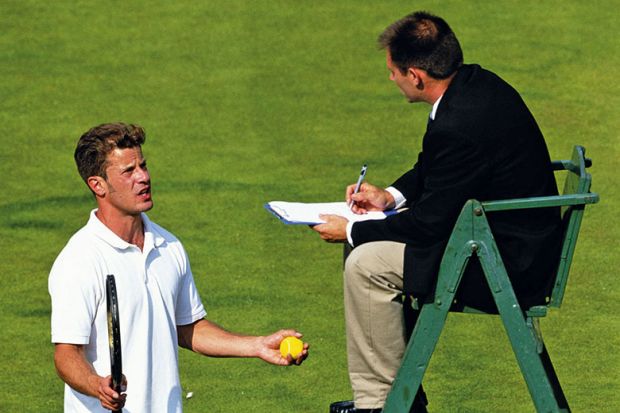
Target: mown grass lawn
(246, 102)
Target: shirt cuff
(399, 199)
(58, 338)
(349, 229)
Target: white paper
(308, 213)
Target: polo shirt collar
(151, 235)
(151, 231)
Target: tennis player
(159, 305)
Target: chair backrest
(577, 181)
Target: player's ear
(97, 184)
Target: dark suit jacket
(484, 144)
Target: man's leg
(373, 281)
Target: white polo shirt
(156, 292)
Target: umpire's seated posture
(481, 143)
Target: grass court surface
(246, 102)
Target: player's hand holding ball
(283, 348)
(293, 350)
(291, 345)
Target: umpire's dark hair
(95, 145)
(424, 41)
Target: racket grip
(118, 390)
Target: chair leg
(407, 383)
(553, 379)
(411, 313)
(524, 343)
(533, 324)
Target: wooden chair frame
(472, 235)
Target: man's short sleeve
(75, 295)
(189, 306)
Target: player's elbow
(63, 355)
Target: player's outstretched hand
(270, 349)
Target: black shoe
(348, 407)
(418, 406)
(419, 402)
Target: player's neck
(129, 228)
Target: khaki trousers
(373, 282)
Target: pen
(359, 182)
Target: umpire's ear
(98, 185)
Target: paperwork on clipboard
(308, 213)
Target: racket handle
(118, 390)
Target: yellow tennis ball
(291, 345)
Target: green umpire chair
(472, 236)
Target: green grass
(246, 102)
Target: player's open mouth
(145, 193)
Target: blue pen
(359, 181)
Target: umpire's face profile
(407, 83)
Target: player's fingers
(105, 388)
(303, 355)
(107, 399)
(114, 405)
(274, 357)
(120, 402)
(289, 359)
(109, 392)
(288, 332)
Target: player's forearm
(73, 368)
(209, 339)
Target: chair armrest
(540, 202)
(569, 165)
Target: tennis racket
(114, 335)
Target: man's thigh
(377, 260)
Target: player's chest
(147, 280)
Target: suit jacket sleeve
(448, 172)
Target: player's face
(128, 181)
(405, 82)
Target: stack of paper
(308, 213)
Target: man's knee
(358, 261)
(374, 258)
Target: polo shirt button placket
(141, 267)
